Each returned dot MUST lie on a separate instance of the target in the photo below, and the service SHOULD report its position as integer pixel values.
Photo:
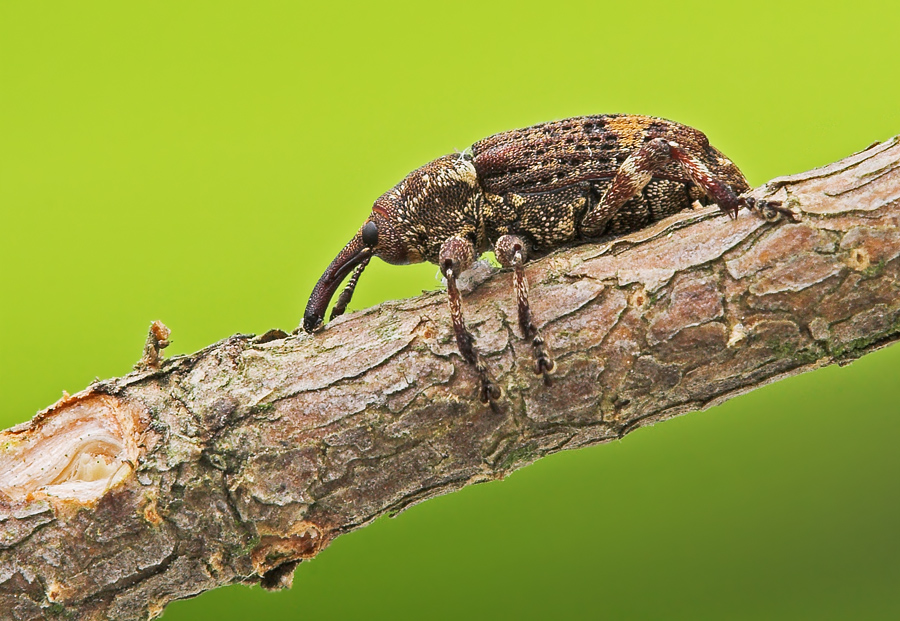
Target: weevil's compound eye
(370, 234)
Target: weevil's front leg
(455, 257)
(511, 251)
(637, 171)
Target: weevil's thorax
(433, 203)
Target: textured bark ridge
(237, 462)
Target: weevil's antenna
(344, 299)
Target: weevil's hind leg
(511, 251)
(637, 171)
(455, 257)
(720, 192)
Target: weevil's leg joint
(456, 256)
(512, 251)
(716, 189)
(631, 177)
(721, 192)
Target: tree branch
(235, 463)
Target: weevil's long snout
(354, 253)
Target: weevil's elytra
(527, 191)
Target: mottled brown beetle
(527, 191)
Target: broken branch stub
(235, 463)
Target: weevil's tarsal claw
(355, 253)
(489, 391)
(768, 211)
(543, 363)
(771, 211)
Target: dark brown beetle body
(558, 172)
(525, 192)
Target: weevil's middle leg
(631, 177)
(456, 255)
(511, 252)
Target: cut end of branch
(73, 452)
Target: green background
(201, 163)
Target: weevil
(528, 191)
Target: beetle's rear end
(587, 152)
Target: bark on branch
(235, 463)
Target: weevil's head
(407, 225)
(379, 236)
